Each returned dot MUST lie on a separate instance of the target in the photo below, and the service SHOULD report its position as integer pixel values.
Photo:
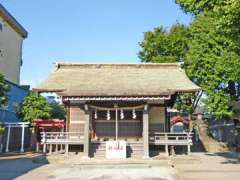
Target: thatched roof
(117, 80)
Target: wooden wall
(157, 119)
(76, 119)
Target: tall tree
(57, 111)
(213, 63)
(161, 45)
(165, 46)
(213, 59)
(4, 88)
(212, 50)
(34, 107)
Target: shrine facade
(118, 102)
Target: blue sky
(86, 31)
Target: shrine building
(118, 102)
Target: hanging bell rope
(121, 114)
(108, 115)
(134, 116)
(95, 114)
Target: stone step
(128, 154)
(134, 149)
(128, 150)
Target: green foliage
(198, 6)
(213, 63)
(4, 88)
(162, 46)
(213, 59)
(34, 107)
(211, 51)
(185, 102)
(57, 111)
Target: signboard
(116, 149)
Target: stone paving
(208, 166)
(197, 166)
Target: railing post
(56, 147)
(188, 146)
(37, 147)
(166, 144)
(66, 149)
(50, 149)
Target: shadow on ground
(12, 167)
(198, 147)
(230, 157)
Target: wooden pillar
(44, 142)
(61, 147)
(86, 132)
(189, 149)
(145, 132)
(67, 117)
(116, 123)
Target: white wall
(10, 55)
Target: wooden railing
(59, 141)
(171, 139)
(62, 138)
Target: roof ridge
(119, 65)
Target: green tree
(213, 59)
(213, 63)
(4, 88)
(212, 54)
(34, 107)
(57, 111)
(198, 6)
(166, 46)
(162, 46)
